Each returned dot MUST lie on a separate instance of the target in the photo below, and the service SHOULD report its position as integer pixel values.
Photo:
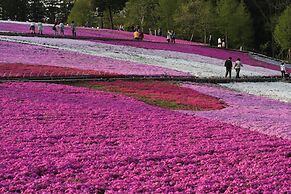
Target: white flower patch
(194, 64)
(275, 90)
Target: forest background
(262, 26)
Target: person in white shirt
(237, 66)
(219, 42)
(40, 28)
(283, 69)
(62, 28)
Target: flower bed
(215, 53)
(162, 94)
(275, 90)
(260, 114)
(23, 27)
(196, 65)
(23, 70)
(36, 55)
(154, 43)
(58, 138)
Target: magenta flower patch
(57, 139)
(23, 27)
(23, 70)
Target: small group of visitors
(237, 66)
(121, 28)
(58, 28)
(171, 37)
(138, 34)
(283, 69)
(32, 28)
(221, 43)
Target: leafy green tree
(266, 14)
(167, 10)
(195, 18)
(65, 9)
(1, 10)
(245, 32)
(282, 32)
(81, 13)
(110, 6)
(142, 12)
(235, 23)
(36, 10)
(52, 8)
(15, 9)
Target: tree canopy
(254, 24)
(283, 29)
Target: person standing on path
(169, 35)
(228, 66)
(173, 38)
(219, 42)
(73, 27)
(40, 28)
(237, 67)
(55, 29)
(62, 28)
(136, 35)
(32, 28)
(283, 69)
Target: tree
(143, 13)
(81, 12)
(14, 9)
(167, 10)
(195, 18)
(282, 32)
(234, 23)
(266, 13)
(112, 6)
(65, 9)
(52, 10)
(244, 33)
(36, 10)
(1, 10)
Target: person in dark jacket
(228, 66)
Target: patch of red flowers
(163, 94)
(24, 70)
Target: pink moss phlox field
(85, 32)
(198, 49)
(24, 70)
(36, 55)
(57, 139)
(256, 113)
